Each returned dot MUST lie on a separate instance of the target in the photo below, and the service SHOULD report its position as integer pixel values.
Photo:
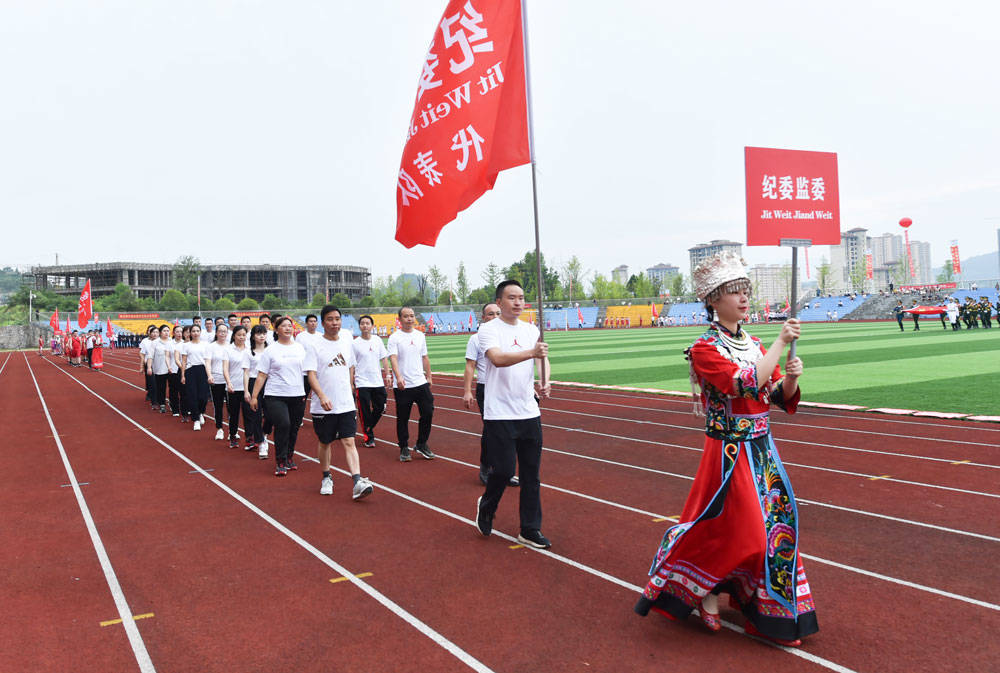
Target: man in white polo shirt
(411, 371)
(475, 363)
(511, 415)
(329, 367)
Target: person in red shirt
(76, 349)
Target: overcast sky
(265, 131)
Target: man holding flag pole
(471, 119)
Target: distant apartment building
(921, 251)
(703, 251)
(620, 274)
(772, 283)
(664, 273)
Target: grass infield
(868, 364)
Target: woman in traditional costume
(738, 533)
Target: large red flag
(54, 321)
(655, 313)
(85, 309)
(470, 117)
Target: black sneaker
(514, 481)
(424, 451)
(484, 523)
(404, 455)
(534, 538)
(279, 470)
(484, 476)
(290, 465)
(370, 444)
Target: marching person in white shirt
(511, 415)
(257, 428)
(194, 376)
(475, 363)
(371, 376)
(305, 338)
(280, 369)
(217, 359)
(411, 371)
(145, 354)
(158, 367)
(329, 367)
(174, 371)
(235, 393)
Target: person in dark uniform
(984, 312)
(898, 312)
(916, 317)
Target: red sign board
(792, 194)
(138, 316)
(933, 287)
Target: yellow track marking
(344, 579)
(134, 618)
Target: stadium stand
(681, 313)
(816, 309)
(638, 316)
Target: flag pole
(534, 179)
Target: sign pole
(794, 244)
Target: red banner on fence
(138, 316)
(956, 262)
(792, 194)
(932, 286)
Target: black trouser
(371, 406)
(899, 319)
(150, 388)
(286, 413)
(405, 399)
(236, 402)
(252, 419)
(944, 324)
(196, 385)
(90, 358)
(916, 321)
(509, 443)
(176, 395)
(159, 389)
(481, 400)
(218, 402)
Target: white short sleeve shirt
(409, 349)
(510, 391)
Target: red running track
(230, 591)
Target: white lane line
(386, 602)
(124, 612)
(700, 430)
(641, 468)
(816, 559)
(687, 403)
(5, 363)
(698, 450)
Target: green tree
(480, 296)
(603, 288)
(248, 304)
(677, 286)
(122, 299)
(461, 283)
(572, 278)
(947, 272)
(446, 298)
(185, 273)
(824, 276)
(225, 304)
(318, 300)
(437, 281)
(492, 275)
(341, 300)
(147, 304)
(367, 301)
(525, 272)
(270, 302)
(173, 300)
(857, 277)
(641, 286)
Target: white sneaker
(326, 488)
(197, 425)
(219, 434)
(362, 489)
(262, 450)
(201, 419)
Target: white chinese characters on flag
(85, 309)
(470, 118)
(956, 262)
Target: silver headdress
(717, 271)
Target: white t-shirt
(409, 348)
(219, 355)
(195, 353)
(237, 358)
(251, 361)
(283, 366)
(146, 348)
(478, 355)
(160, 352)
(332, 362)
(305, 338)
(368, 356)
(269, 337)
(510, 393)
(169, 350)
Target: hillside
(978, 267)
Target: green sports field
(868, 364)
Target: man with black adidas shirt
(511, 416)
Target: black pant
(899, 319)
(253, 419)
(916, 322)
(90, 358)
(286, 413)
(480, 400)
(236, 402)
(405, 399)
(509, 443)
(218, 401)
(371, 405)
(159, 389)
(150, 388)
(196, 385)
(176, 395)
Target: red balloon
(905, 222)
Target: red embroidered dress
(738, 532)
